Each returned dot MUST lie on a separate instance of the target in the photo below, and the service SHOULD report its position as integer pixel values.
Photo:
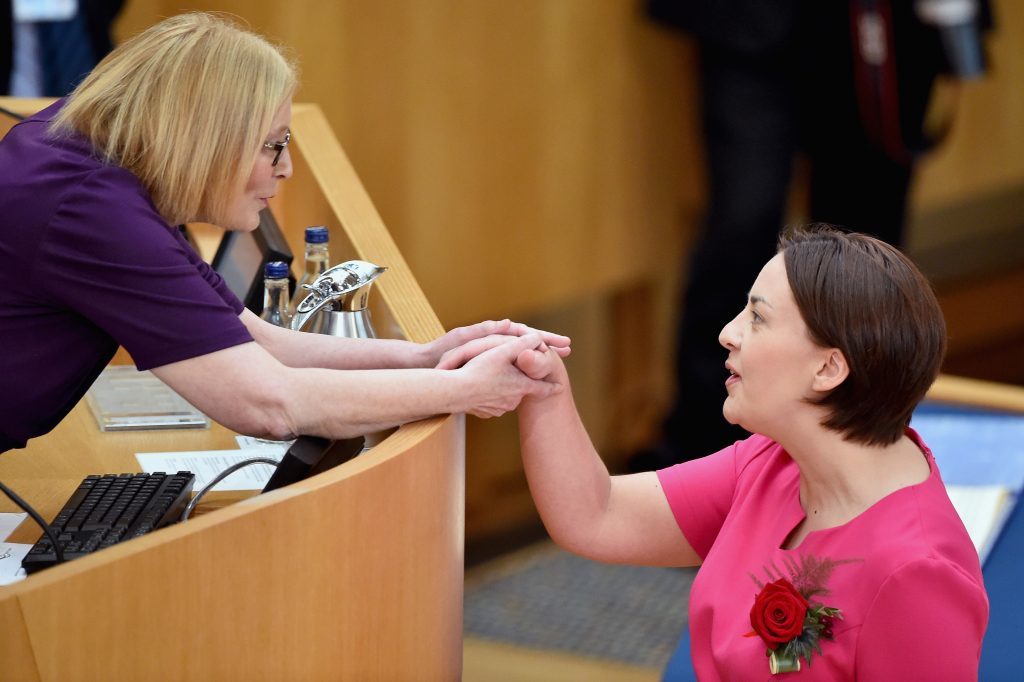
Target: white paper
(206, 464)
(11, 555)
(251, 442)
(982, 508)
(10, 521)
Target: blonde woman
(189, 121)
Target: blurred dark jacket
(98, 16)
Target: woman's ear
(832, 372)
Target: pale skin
(773, 368)
(286, 383)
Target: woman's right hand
(459, 345)
(458, 356)
(495, 383)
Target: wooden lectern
(353, 574)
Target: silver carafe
(337, 301)
(336, 305)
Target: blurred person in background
(847, 84)
(46, 48)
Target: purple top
(87, 264)
(904, 573)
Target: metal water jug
(337, 301)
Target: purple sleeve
(210, 275)
(113, 260)
(700, 493)
(926, 623)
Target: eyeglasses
(278, 147)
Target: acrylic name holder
(123, 398)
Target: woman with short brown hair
(826, 541)
(866, 298)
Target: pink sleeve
(700, 493)
(926, 623)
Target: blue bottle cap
(316, 235)
(275, 270)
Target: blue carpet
(545, 598)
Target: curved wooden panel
(353, 575)
(974, 392)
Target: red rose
(778, 613)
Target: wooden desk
(50, 468)
(352, 574)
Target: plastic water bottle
(275, 294)
(318, 259)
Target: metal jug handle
(333, 285)
(308, 309)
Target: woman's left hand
(462, 344)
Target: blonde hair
(185, 106)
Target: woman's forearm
(616, 519)
(568, 480)
(246, 389)
(341, 404)
(302, 349)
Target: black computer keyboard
(105, 510)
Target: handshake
(504, 363)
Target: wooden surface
(345, 575)
(982, 154)
(353, 574)
(524, 154)
(986, 325)
(987, 394)
(485, 661)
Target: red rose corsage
(788, 620)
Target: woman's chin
(732, 415)
(248, 224)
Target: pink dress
(904, 573)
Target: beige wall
(521, 153)
(985, 152)
(970, 189)
(526, 154)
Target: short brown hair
(184, 105)
(862, 296)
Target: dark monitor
(241, 256)
(309, 455)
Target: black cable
(220, 477)
(8, 112)
(37, 518)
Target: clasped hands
(504, 362)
